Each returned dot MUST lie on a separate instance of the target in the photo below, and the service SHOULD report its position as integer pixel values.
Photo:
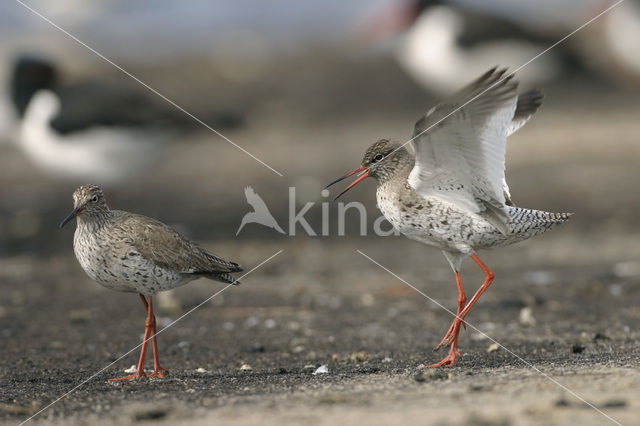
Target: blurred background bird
(442, 42)
(93, 130)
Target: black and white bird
(441, 42)
(92, 130)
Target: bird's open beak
(74, 213)
(363, 173)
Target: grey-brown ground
(565, 302)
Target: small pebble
(577, 348)
(493, 347)
(526, 316)
(245, 367)
(323, 369)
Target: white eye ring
(94, 199)
(378, 157)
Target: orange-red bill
(363, 173)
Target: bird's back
(168, 249)
(438, 222)
(132, 252)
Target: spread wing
(166, 248)
(527, 105)
(460, 147)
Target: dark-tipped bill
(363, 173)
(75, 212)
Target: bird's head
(30, 75)
(88, 201)
(381, 161)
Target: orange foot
(451, 335)
(159, 372)
(138, 375)
(449, 360)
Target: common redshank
(133, 253)
(453, 194)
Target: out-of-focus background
(305, 87)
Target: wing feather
(166, 248)
(460, 146)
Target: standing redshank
(133, 253)
(453, 195)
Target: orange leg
(139, 374)
(462, 299)
(488, 279)
(451, 338)
(158, 370)
(149, 334)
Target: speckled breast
(119, 267)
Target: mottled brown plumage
(133, 253)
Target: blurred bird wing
(460, 153)
(527, 105)
(164, 247)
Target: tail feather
(225, 278)
(532, 222)
(222, 276)
(520, 215)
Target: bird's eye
(94, 199)
(378, 157)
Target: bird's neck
(42, 108)
(396, 170)
(94, 221)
